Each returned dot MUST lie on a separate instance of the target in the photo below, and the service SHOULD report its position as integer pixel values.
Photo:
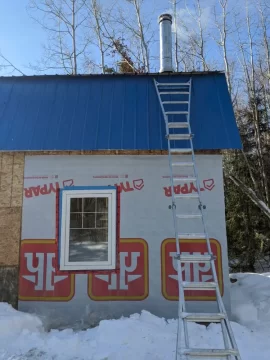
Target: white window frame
(66, 195)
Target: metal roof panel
(109, 112)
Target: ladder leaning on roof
(175, 101)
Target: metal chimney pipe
(165, 26)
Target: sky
(21, 38)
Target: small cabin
(86, 229)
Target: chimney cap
(163, 17)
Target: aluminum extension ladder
(175, 102)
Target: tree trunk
(74, 53)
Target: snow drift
(13, 322)
(250, 299)
(141, 336)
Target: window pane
(75, 221)
(88, 229)
(89, 220)
(76, 205)
(89, 205)
(102, 220)
(88, 245)
(102, 204)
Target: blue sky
(21, 38)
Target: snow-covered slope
(141, 336)
(13, 322)
(250, 299)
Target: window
(88, 228)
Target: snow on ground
(13, 322)
(141, 336)
(250, 300)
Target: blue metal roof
(109, 112)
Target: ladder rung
(173, 84)
(174, 102)
(195, 258)
(203, 317)
(192, 236)
(187, 285)
(184, 179)
(210, 352)
(176, 112)
(187, 196)
(189, 216)
(177, 125)
(174, 92)
(183, 163)
(180, 151)
(179, 136)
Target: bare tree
(264, 21)
(223, 30)
(95, 11)
(248, 51)
(134, 32)
(140, 32)
(252, 91)
(198, 40)
(64, 22)
(125, 36)
(264, 59)
(176, 40)
(191, 28)
(100, 19)
(129, 58)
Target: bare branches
(95, 10)
(143, 44)
(176, 40)
(192, 37)
(251, 194)
(137, 32)
(197, 39)
(253, 91)
(201, 41)
(64, 21)
(117, 46)
(264, 20)
(77, 27)
(8, 65)
(222, 26)
(74, 27)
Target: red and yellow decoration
(39, 280)
(130, 282)
(191, 271)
